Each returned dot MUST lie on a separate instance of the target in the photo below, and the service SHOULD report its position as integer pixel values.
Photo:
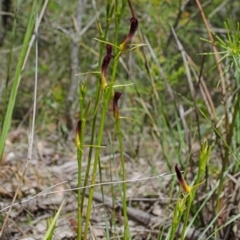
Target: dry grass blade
(218, 61)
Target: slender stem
(124, 184)
(178, 211)
(186, 218)
(96, 159)
(79, 158)
(107, 96)
(91, 148)
(102, 192)
(79, 229)
(9, 68)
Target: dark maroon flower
(181, 180)
(116, 97)
(105, 63)
(133, 29)
(109, 49)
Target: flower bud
(116, 97)
(78, 133)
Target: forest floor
(51, 177)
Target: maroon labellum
(109, 49)
(78, 133)
(181, 180)
(116, 97)
(133, 29)
(105, 63)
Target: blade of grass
(124, 177)
(53, 223)
(9, 64)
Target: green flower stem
(91, 148)
(105, 212)
(124, 185)
(96, 159)
(79, 158)
(178, 212)
(189, 204)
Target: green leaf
(53, 222)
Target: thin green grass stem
(96, 159)
(178, 212)
(79, 158)
(9, 66)
(113, 191)
(53, 223)
(186, 217)
(124, 178)
(102, 192)
(91, 144)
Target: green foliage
(17, 77)
(51, 224)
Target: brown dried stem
(218, 60)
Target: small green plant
(183, 205)
(51, 233)
(51, 224)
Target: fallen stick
(146, 219)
